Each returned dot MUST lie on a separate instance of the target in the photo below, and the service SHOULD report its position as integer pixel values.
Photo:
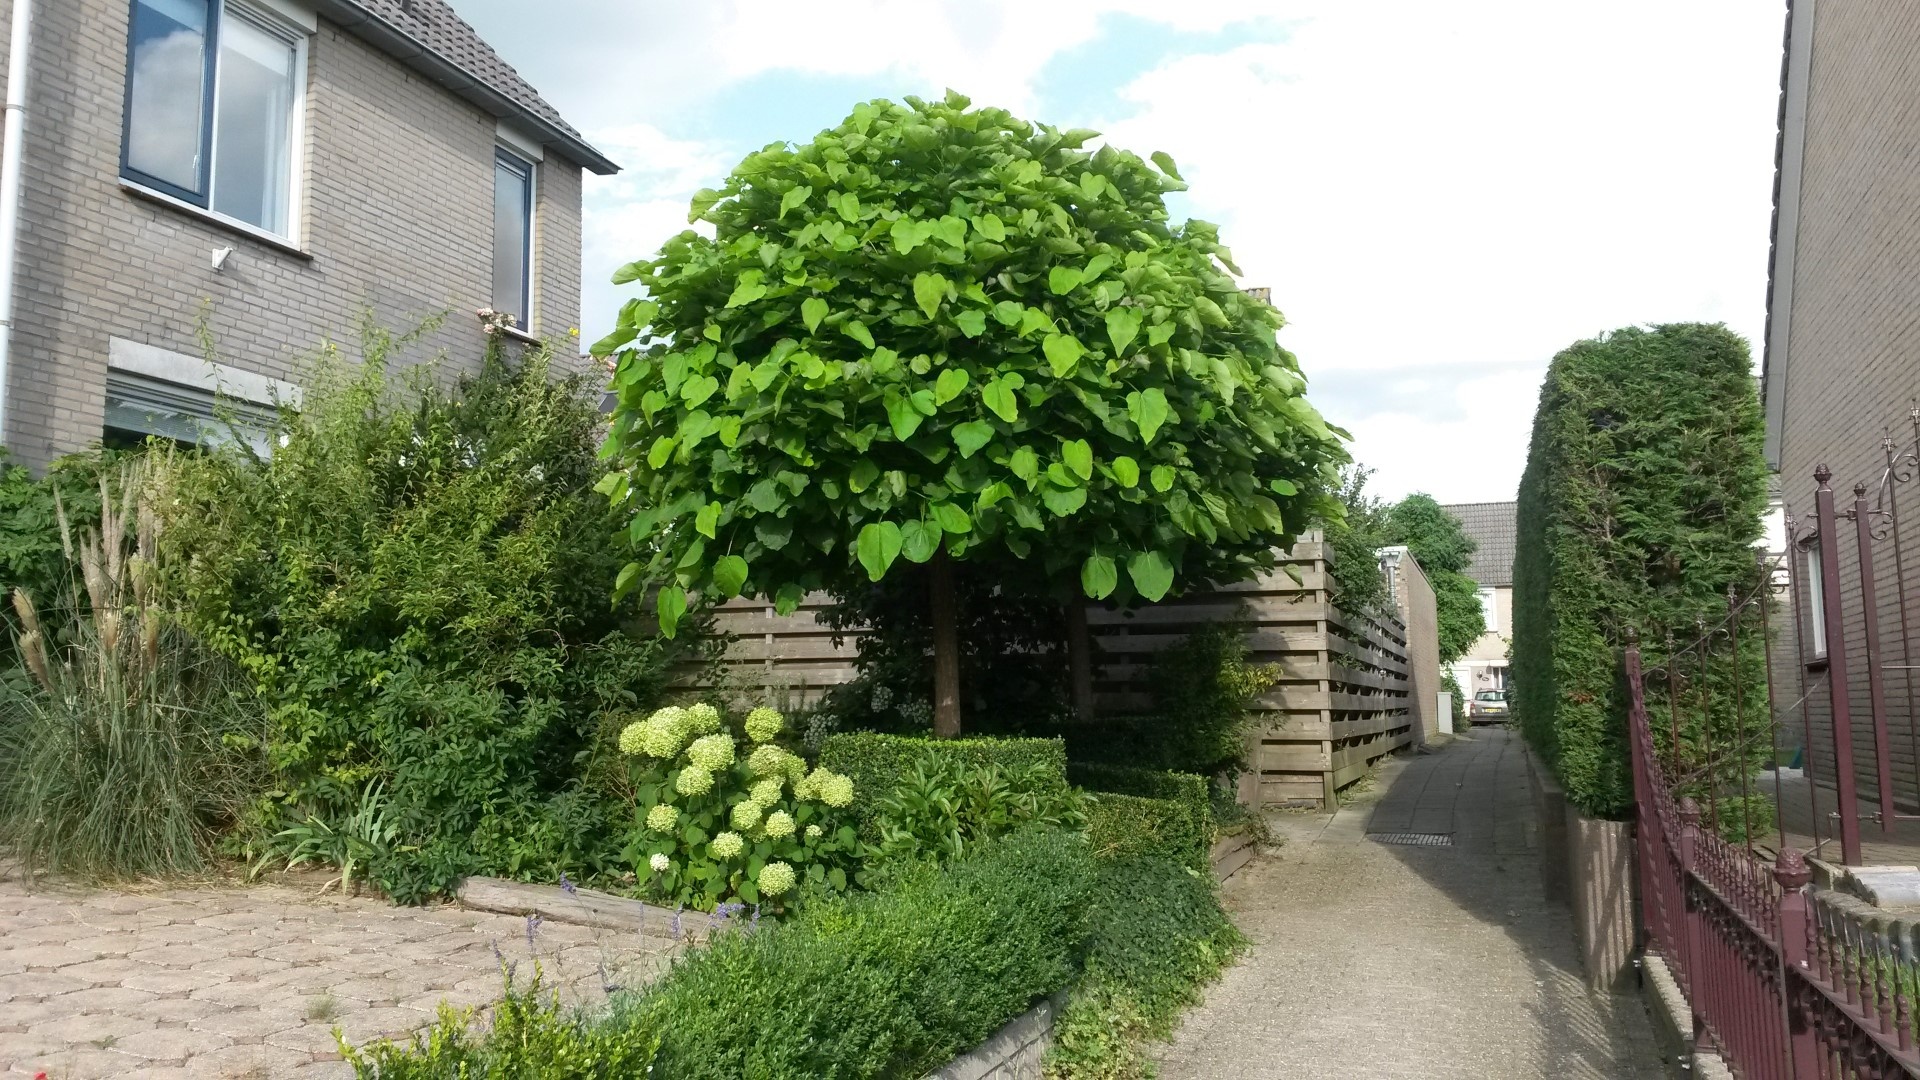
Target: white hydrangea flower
(714, 752)
(660, 863)
(764, 724)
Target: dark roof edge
(1789, 149)
(457, 80)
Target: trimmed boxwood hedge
(878, 763)
(1130, 826)
(887, 984)
(1639, 508)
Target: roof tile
(1493, 527)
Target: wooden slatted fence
(1343, 699)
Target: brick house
(1839, 370)
(270, 170)
(1493, 527)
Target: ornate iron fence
(1786, 984)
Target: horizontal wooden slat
(1294, 757)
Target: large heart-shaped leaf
(747, 291)
(1025, 464)
(729, 575)
(952, 518)
(1098, 577)
(795, 197)
(1283, 487)
(1063, 353)
(905, 418)
(1063, 501)
(998, 396)
(697, 390)
(1126, 471)
(1063, 280)
(1162, 477)
(972, 322)
(1148, 410)
(877, 547)
(951, 384)
(928, 291)
(1078, 457)
(858, 331)
(971, 436)
(670, 605)
(706, 520)
(1123, 324)
(812, 310)
(919, 541)
(1152, 574)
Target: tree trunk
(1080, 657)
(946, 651)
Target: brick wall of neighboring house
(1844, 336)
(396, 205)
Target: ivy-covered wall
(1639, 509)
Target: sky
(1440, 196)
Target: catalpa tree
(952, 337)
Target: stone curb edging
(1015, 1052)
(1673, 1023)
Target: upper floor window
(1490, 609)
(213, 100)
(512, 235)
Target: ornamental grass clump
(729, 815)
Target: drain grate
(1413, 839)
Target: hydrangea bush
(727, 814)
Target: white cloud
(1462, 184)
(627, 216)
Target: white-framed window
(1490, 609)
(1816, 603)
(215, 95)
(513, 177)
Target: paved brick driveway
(250, 982)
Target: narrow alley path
(1404, 962)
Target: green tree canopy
(937, 329)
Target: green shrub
(417, 582)
(530, 1036)
(879, 763)
(1159, 936)
(125, 746)
(1638, 511)
(1133, 826)
(722, 812)
(944, 808)
(889, 984)
(1196, 793)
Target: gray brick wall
(396, 202)
(1852, 363)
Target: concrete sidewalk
(1379, 960)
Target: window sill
(251, 232)
(519, 335)
(1818, 663)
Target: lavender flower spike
(566, 885)
(533, 923)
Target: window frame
(1490, 608)
(528, 167)
(274, 22)
(1816, 605)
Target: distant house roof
(429, 37)
(1492, 527)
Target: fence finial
(1822, 474)
(1633, 638)
(1689, 811)
(1860, 491)
(1790, 870)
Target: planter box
(1231, 853)
(1015, 1052)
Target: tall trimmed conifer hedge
(1640, 506)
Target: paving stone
(107, 972)
(176, 956)
(314, 1038)
(323, 1070)
(26, 1045)
(303, 952)
(170, 1045)
(173, 981)
(239, 967)
(253, 1062)
(367, 1024)
(37, 984)
(48, 956)
(160, 1072)
(78, 1064)
(171, 1010)
(77, 1030)
(251, 1024)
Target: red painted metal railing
(1785, 983)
